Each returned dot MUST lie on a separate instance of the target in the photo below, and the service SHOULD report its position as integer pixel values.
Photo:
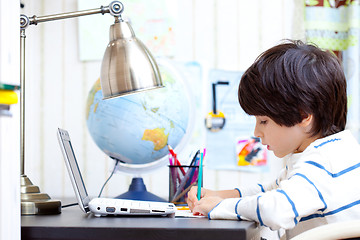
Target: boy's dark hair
(292, 80)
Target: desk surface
(72, 223)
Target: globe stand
(137, 191)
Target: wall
(218, 34)
(9, 127)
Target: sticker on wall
(250, 152)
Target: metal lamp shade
(127, 66)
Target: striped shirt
(317, 187)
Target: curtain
(334, 25)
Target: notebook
(105, 206)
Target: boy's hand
(205, 205)
(209, 199)
(192, 196)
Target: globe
(137, 128)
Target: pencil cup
(181, 179)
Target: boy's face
(282, 140)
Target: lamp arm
(115, 8)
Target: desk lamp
(127, 67)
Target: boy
(297, 94)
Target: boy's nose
(257, 133)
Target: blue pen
(200, 176)
(193, 169)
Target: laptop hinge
(86, 209)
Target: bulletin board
(223, 146)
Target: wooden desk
(72, 223)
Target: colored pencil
(200, 176)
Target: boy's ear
(307, 121)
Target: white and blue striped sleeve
(259, 188)
(279, 208)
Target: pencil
(183, 208)
(200, 176)
(176, 161)
(173, 174)
(183, 182)
(182, 193)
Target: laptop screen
(73, 168)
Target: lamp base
(35, 203)
(137, 191)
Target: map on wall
(152, 22)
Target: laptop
(105, 206)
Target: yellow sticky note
(8, 97)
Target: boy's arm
(254, 189)
(283, 207)
(233, 193)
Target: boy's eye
(263, 122)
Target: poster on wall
(230, 145)
(152, 22)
